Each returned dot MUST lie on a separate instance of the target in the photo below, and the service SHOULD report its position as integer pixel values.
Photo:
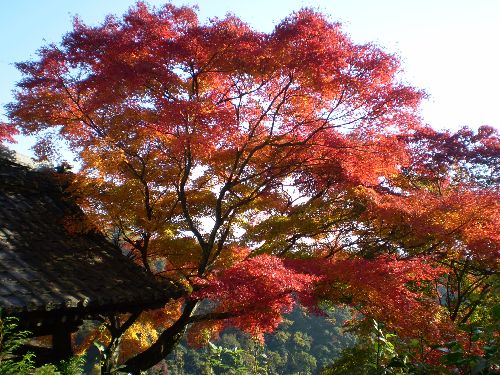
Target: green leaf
(453, 358)
(495, 312)
(481, 365)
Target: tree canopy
(261, 169)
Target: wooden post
(61, 343)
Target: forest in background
(303, 344)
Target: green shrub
(11, 363)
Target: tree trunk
(116, 330)
(112, 353)
(165, 343)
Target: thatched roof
(46, 269)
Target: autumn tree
(257, 170)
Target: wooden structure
(52, 279)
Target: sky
(449, 48)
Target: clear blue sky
(450, 48)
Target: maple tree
(258, 170)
